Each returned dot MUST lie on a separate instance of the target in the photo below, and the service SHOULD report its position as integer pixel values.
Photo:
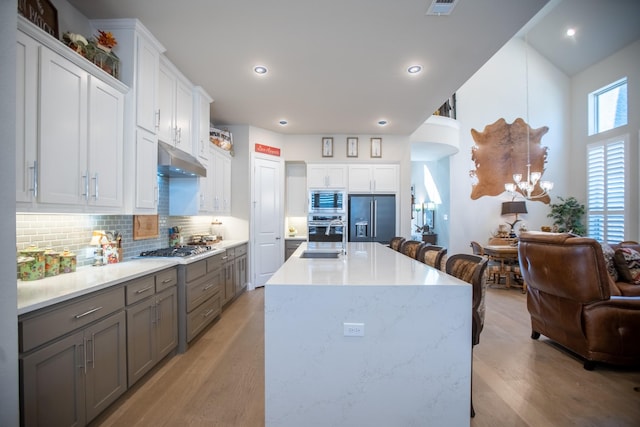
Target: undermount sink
(331, 254)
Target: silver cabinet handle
(139, 291)
(86, 185)
(206, 288)
(157, 119)
(208, 313)
(86, 313)
(166, 280)
(34, 189)
(84, 351)
(95, 185)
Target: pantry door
(267, 217)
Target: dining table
(506, 255)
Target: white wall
(624, 63)
(9, 414)
(499, 90)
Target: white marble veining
(412, 366)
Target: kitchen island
(370, 338)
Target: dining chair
(396, 242)
(495, 269)
(432, 255)
(471, 269)
(411, 248)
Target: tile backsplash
(73, 232)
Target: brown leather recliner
(569, 299)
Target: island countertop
(373, 338)
(364, 264)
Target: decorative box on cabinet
(152, 321)
(73, 359)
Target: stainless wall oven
(318, 225)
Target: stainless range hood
(175, 163)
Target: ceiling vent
(441, 7)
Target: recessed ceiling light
(382, 122)
(414, 69)
(571, 32)
(283, 122)
(260, 69)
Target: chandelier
(527, 186)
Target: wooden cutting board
(145, 227)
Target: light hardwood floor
(517, 381)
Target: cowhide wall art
(500, 151)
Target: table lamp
(516, 208)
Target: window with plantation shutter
(605, 190)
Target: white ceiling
(339, 66)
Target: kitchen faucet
(339, 222)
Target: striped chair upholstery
(432, 255)
(411, 248)
(396, 242)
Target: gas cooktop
(178, 251)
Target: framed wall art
(327, 147)
(376, 147)
(352, 147)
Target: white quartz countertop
(367, 264)
(37, 294)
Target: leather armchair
(569, 299)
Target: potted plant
(567, 216)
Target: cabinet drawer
(215, 262)
(195, 270)
(40, 328)
(200, 318)
(291, 244)
(140, 289)
(166, 278)
(202, 290)
(241, 250)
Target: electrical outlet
(353, 329)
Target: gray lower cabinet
(240, 263)
(203, 296)
(229, 276)
(70, 379)
(290, 247)
(152, 321)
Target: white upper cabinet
(367, 178)
(326, 176)
(146, 85)
(222, 182)
(26, 118)
(69, 145)
(139, 52)
(176, 107)
(201, 115)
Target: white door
(267, 219)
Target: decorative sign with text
(42, 13)
(273, 151)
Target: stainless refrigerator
(372, 218)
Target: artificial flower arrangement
(98, 49)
